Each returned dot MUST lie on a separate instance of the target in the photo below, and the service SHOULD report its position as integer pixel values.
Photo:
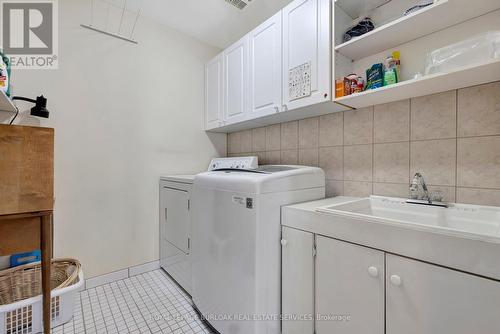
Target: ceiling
(212, 21)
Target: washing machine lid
(261, 180)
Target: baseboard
(121, 274)
(143, 268)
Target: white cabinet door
(236, 82)
(176, 211)
(297, 281)
(213, 93)
(175, 232)
(306, 40)
(265, 68)
(424, 298)
(349, 282)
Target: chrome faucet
(418, 188)
(419, 193)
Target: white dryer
(236, 241)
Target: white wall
(124, 114)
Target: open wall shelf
(433, 18)
(430, 84)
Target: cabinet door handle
(284, 242)
(277, 109)
(396, 280)
(285, 107)
(165, 213)
(373, 271)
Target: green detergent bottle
(4, 74)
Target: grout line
(409, 144)
(456, 145)
(83, 319)
(317, 138)
(92, 311)
(343, 153)
(126, 303)
(481, 136)
(123, 304)
(373, 148)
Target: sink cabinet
(349, 284)
(380, 292)
(297, 280)
(425, 298)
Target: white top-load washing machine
(236, 241)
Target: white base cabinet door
(175, 232)
(265, 68)
(175, 202)
(424, 298)
(349, 288)
(297, 281)
(213, 94)
(236, 82)
(306, 41)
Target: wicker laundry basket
(21, 300)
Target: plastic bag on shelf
(475, 50)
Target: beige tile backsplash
(289, 135)
(308, 133)
(391, 122)
(273, 138)
(479, 111)
(453, 138)
(358, 163)
(434, 116)
(391, 162)
(358, 126)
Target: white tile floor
(148, 303)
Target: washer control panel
(234, 163)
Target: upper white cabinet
(265, 68)
(257, 70)
(349, 282)
(424, 298)
(302, 50)
(306, 42)
(213, 93)
(235, 63)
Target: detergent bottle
(4, 74)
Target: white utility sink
(458, 219)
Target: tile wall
(453, 138)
